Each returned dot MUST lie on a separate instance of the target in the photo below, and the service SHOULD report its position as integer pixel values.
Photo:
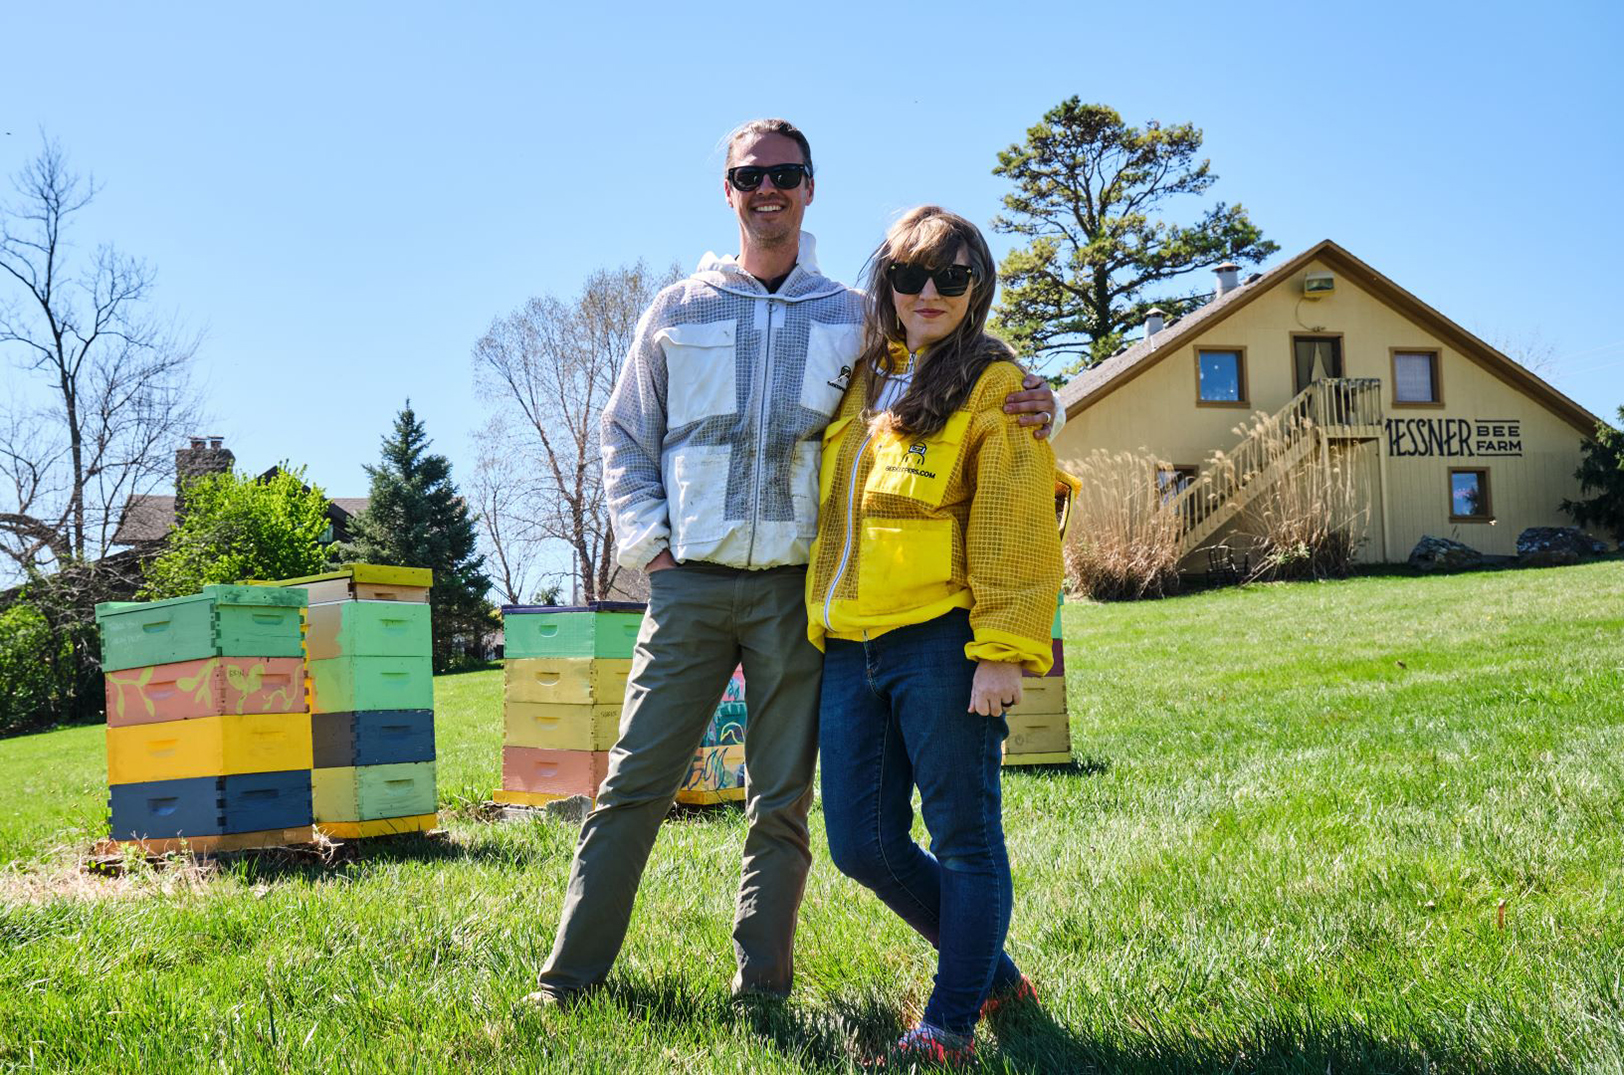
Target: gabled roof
(1097, 382)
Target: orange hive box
(210, 687)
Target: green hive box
(351, 684)
(368, 629)
(602, 629)
(221, 621)
(370, 792)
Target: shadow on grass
(854, 1031)
(354, 859)
(1077, 767)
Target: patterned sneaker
(927, 1043)
(1010, 999)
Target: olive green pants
(702, 620)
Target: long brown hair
(932, 237)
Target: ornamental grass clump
(1124, 542)
(1311, 519)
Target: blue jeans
(894, 716)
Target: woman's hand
(996, 687)
(1035, 406)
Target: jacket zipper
(851, 509)
(851, 524)
(761, 430)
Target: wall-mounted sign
(1454, 438)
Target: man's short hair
(757, 127)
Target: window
(1221, 376)
(1171, 480)
(1415, 378)
(1316, 358)
(1469, 496)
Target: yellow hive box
(209, 746)
(566, 680)
(560, 727)
(1038, 733)
(1045, 694)
(1057, 758)
(387, 826)
(525, 798)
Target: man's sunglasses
(951, 280)
(747, 177)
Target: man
(711, 447)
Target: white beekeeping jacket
(713, 436)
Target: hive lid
(382, 574)
(593, 606)
(219, 595)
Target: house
(1444, 435)
(146, 519)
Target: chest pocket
(831, 353)
(701, 372)
(918, 469)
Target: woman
(933, 585)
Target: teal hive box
(602, 629)
(221, 621)
(368, 629)
(350, 684)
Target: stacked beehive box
(564, 681)
(1039, 729)
(370, 681)
(208, 738)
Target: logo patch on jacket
(841, 379)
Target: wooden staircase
(1342, 409)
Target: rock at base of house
(1552, 546)
(1442, 554)
(573, 809)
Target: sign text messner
(1454, 438)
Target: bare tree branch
(549, 367)
(116, 380)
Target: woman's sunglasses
(747, 177)
(951, 280)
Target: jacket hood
(805, 281)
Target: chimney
(1155, 321)
(1228, 279)
(206, 455)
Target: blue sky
(342, 197)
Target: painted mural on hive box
(213, 686)
(728, 722)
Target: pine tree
(416, 519)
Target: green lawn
(1298, 814)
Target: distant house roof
(1095, 383)
(350, 505)
(146, 519)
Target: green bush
(237, 527)
(43, 676)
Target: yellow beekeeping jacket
(909, 529)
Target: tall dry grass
(1311, 514)
(1124, 543)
